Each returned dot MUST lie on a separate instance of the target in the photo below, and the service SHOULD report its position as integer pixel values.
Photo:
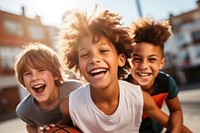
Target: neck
(106, 100)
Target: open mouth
(97, 72)
(39, 88)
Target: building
(17, 30)
(183, 49)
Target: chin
(143, 83)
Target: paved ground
(190, 101)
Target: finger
(52, 125)
(46, 127)
(40, 130)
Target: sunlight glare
(53, 10)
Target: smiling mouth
(96, 72)
(39, 88)
(144, 74)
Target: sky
(51, 11)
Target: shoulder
(23, 107)
(71, 83)
(82, 93)
(74, 99)
(131, 95)
(165, 78)
(130, 88)
(81, 90)
(168, 82)
(68, 86)
(162, 80)
(162, 75)
(128, 85)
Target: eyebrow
(81, 49)
(148, 56)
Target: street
(190, 101)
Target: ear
(162, 63)
(121, 60)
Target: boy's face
(99, 62)
(40, 84)
(147, 60)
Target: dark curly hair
(150, 31)
(77, 26)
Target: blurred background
(23, 21)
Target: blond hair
(37, 55)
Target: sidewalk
(13, 126)
(190, 102)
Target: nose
(143, 65)
(94, 59)
(35, 76)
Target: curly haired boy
(147, 61)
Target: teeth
(98, 70)
(144, 74)
(37, 86)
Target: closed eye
(82, 55)
(26, 73)
(152, 59)
(136, 59)
(104, 51)
(41, 70)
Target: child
(39, 70)
(98, 47)
(148, 58)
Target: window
(13, 27)
(198, 51)
(181, 40)
(8, 55)
(36, 32)
(184, 57)
(195, 36)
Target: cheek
(82, 66)
(48, 76)
(26, 81)
(27, 84)
(133, 71)
(156, 65)
(134, 65)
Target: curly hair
(78, 25)
(151, 31)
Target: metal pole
(139, 8)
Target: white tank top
(89, 119)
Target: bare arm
(151, 109)
(64, 108)
(176, 116)
(31, 128)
